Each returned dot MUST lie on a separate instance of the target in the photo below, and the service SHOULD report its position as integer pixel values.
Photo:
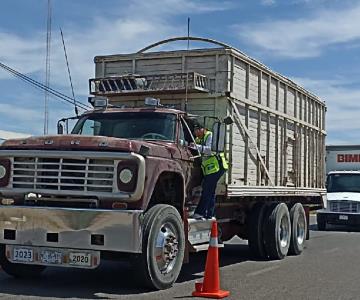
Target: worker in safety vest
(213, 166)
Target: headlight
(2, 171)
(5, 166)
(125, 175)
(127, 172)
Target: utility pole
(47, 68)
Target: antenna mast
(187, 73)
(47, 68)
(68, 68)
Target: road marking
(331, 250)
(262, 271)
(106, 296)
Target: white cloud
(141, 23)
(268, 2)
(17, 113)
(343, 106)
(24, 54)
(166, 8)
(138, 24)
(304, 37)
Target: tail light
(4, 172)
(127, 173)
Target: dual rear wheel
(274, 231)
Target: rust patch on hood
(91, 143)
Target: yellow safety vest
(210, 164)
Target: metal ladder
(148, 83)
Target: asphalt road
(328, 269)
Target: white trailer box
(342, 158)
(343, 186)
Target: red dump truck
(124, 180)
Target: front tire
(278, 231)
(19, 270)
(163, 247)
(298, 229)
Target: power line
(68, 68)
(43, 87)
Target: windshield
(343, 183)
(129, 125)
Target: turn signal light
(7, 201)
(119, 205)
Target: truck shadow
(110, 280)
(231, 254)
(336, 228)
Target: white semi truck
(343, 187)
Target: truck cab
(343, 187)
(343, 199)
(84, 188)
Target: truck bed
(282, 123)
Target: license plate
(23, 254)
(51, 257)
(343, 217)
(80, 259)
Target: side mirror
(60, 128)
(63, 124)
(218, 139)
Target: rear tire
(255, 230)
(163, 247)
(298, 229)
(278, 231)
(19, 270)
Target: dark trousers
(206, 204)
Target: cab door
(190, 161)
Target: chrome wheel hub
(284, 232)
(300, 230)
(166, 248)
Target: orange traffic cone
(210, 288)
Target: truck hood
(91, 143)
(345, 196)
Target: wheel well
(169, 189)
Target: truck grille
(63, 174)
(345, 206)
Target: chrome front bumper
(91, 229)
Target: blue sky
(314, 42)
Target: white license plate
(343, 217)
(80, 259)
(23, 254)
(51, 257)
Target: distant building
(5, 135)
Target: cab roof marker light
(99, 102)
